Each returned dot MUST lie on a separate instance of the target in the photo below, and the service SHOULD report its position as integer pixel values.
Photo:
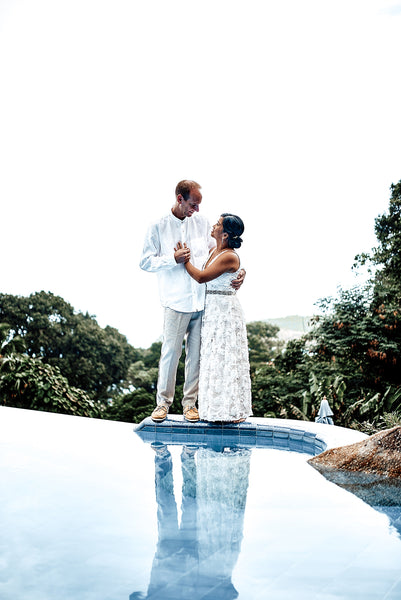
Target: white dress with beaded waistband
(224, 379)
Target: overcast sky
(287, 113)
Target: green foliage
(132, 407)
(277, 387)
(385, 306)
(9, 343)
(272, 389)
(384, 421)
(372, 407)
(357, 340)
(352, 354)
(139, 398)
(262, 341)
(331, 386)
(26, 382)
(387, 255)
(91, 358)
(139, 376)
(343, 336)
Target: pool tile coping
(256, 432)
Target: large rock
(380, 454)
(370, 469)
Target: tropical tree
(26, 382)
(90, 357)
(358, 337)
(386, 256)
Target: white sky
(287, 113)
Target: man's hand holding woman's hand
(182, 254)
(236, 283)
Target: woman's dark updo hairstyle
(234, 227)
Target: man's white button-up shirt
(177, 289)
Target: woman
(224, 380)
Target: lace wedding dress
(224, 380)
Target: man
(180, 295)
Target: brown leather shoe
(159, 414)
(191, 414)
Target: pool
(89, 510)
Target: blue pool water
(89, 510)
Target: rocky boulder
(380, 454)
(371, 470)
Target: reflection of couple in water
(199, 272)
(195, 559)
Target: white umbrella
(325, 413)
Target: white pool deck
(333, 435)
